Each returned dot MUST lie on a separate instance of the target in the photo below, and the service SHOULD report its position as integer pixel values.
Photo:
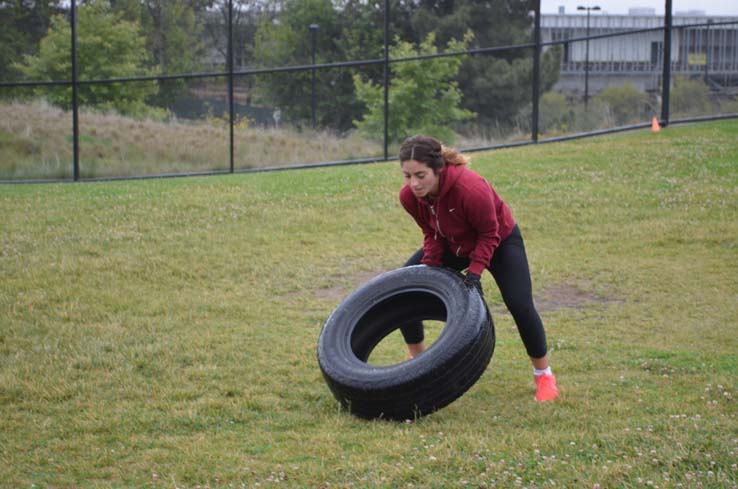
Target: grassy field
(163, 333)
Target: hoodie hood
(447, 179)
(449, 176)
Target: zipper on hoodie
(438, 229)
(438, 223)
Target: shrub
(690, 97)
(556, 113)
(626, 104)
(423, 97)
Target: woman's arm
(480, 211)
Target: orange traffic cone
(655, 125)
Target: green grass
(163, 333)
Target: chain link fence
(249, 87)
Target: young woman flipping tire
(466, 225)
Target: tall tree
(108, 47)
(174, 38)
(346, 31)
(498, 85)
(23, 24)
(173, 35)
(494, 85)
(423, 96)
(246, 17)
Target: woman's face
(421, 179)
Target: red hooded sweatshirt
(468, 218)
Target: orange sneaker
(546, 387)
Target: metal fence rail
(230, 74)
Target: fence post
(666, 76)
(230, 81)
(75, 92)
(314, 28)
(386, 79)
(536, 70)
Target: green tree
(495, 86)
(108, 47)
(625, 103)
(423, 97)
(246, 17)
(347, 31)
(22, 25)
(173, 39)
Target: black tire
(415, 388)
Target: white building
(708, 48)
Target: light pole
(586, 55)
(313, 33)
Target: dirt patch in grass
(560, 296)
(340, 291)
(568, 295)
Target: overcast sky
(711, 7)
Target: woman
(466, 225)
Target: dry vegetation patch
(570, 295)
(36, 142)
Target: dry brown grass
(36, 142)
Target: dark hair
(431, 152)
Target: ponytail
(453, 157)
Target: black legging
(509, 267)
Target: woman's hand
(472, 281)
